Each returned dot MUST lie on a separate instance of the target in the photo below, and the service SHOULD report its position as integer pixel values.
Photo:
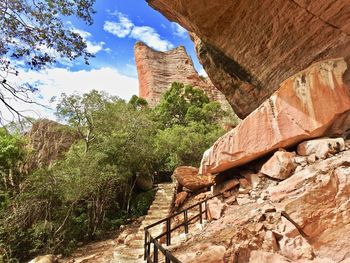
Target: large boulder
(280, 165)
(321, 147)
(187, 176)
(305, 107)
(249, 47)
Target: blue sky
(117, 26)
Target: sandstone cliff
(157, 70)
(48, 141)
(249, 47)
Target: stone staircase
(132, 250)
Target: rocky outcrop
(187, 176)
(48, 141)
(248, 48)
(158, 70)
(304, 218)
(306, 106)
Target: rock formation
(158, 70)
(248, 48)
(187, 176)
(48, 141)
(304, 218)
(305, 106)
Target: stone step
(127, 253)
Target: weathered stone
(294, 113)
(158, 70)
(225, 186)
(180, 198)
(253, 179)
(321, 147)
(295, 248)
(280, 165)
(188, 177)
(49, 141)
(317, 200)
(215, 207)
(231, 200)
(248, 48)
(144, 182)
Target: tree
(182, 104)
(190, 123)
(79, 112)
(33, 34)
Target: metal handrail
(156, 244)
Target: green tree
(189, 124)
(79, 111)
(34, 33)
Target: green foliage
(190, 124)
(92, 190)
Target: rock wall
(249, 47)
(48, 141)
(157, 70)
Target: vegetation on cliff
(92, 189)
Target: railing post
(186, 219)
(145, 246)
(155, 253)
(206, 210)
(168, 233)
(200, 214)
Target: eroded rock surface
(305, 107)
(158, 70)
(248, 48)
(187, 176)
(48, 141)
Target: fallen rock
(253, 179)
(295, 248)
(317, 200)
(294, 113)
(180, 198)
(231, 200)
(280, 165)
(144, 182)
(225, 186)
(321, 147)
(188, 177)
(215, 208)
(260, 43)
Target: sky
(117, 26)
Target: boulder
(249, 47)
(321, 147)
(215, 208)
(44, 259)
(158, 70)
(280, 165)
(294, 113)
(317, 200)
(225, 186)
(144, 182)
(187, 176)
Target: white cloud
(124, 27)
(53, 82)
(91, 47)
(178, 30)
(150, 37)
(120, 29)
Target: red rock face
(305, 107)
(158, 70)
(250, 47)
